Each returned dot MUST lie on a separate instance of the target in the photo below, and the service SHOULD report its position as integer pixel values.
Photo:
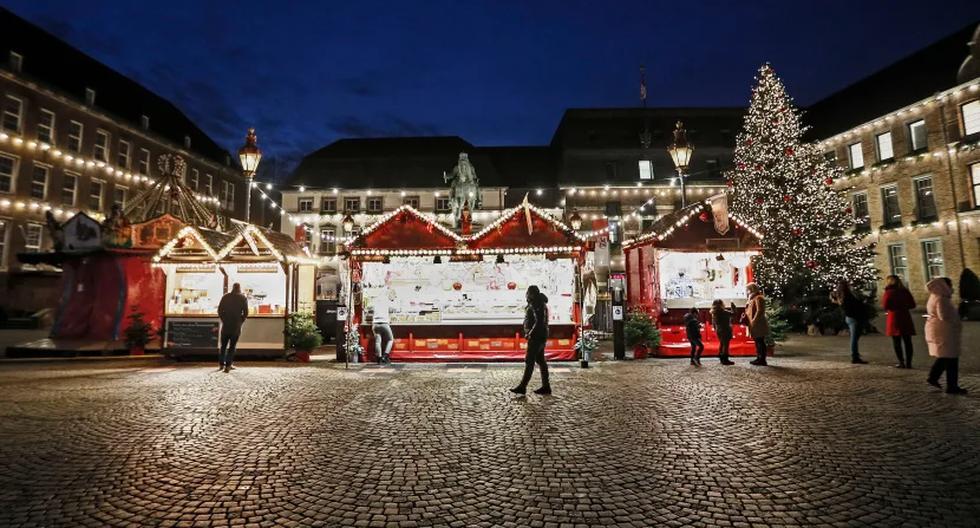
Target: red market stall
(688, 259)
(456, 298)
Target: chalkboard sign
(192, 333)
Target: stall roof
(212, 245)
(415, 230)
(668, 224)
(526, 226)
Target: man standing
(536, 332)
(232, 310)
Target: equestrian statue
(464, 188)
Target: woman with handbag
(897, 301)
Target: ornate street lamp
(681, 151)
(575, 220)
(348, 223)
(249, 155)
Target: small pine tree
(784, 187)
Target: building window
(187, 142)
(119, 196)
(925, 200)
(8, 168)
(75, 130)
(101, 145)
(830, 157)
(89, 97)
(3, 244)
(855, 155)
(328, 241)
(975, 183)
(16, 62)
(442, 204)
(971, 117)
(328, 205)
(306, 205)
(143, 166)
(898, 261)
(95, 195)
(227, 194)
(859, 206)
(39, 182)
(45, 126)
(917, 135)
(69, 183)
(352, 204)
(208, 184)
(122, 156)
(375, 204)
(884, 145)
(890, 207)
(13, 109)
(145, 122)
(32, 237)
(195, 180)
(646, 170)
(932, 255)
(411, 201)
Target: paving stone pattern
(654, 443)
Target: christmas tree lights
(780, 186)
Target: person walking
(692, 324)
(897, 301)
(755, 317)
(943, 328)
(536, 333)
(854, 316)
(232, 311)
(384, 338)
(721, 320)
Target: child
(721, 319)
(692, 323)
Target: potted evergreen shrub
(302, 334)
(138, 334)
(587, 343)
(641, 334)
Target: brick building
(908, 138)
(77, 136)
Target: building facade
(908, 140)
(76, 136)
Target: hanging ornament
(748, 142)
(848, 210)
(758, 200)
(758, 167)
(812, 264)
(704, 216)
(787, 198)
(741, 165)
(829, 181)
(790, 151)
(728, 182)
(797, 231)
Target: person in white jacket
(943, 328)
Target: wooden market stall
(688, 259)
(458, 297)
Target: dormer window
(145, 122)
(187, 142)
(16, 62)
(89, 97)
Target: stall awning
(705, 225)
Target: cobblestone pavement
(646, 443)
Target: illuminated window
(95, 195)
(890, 207)
(859, 206)
(39, 182)
(925, 199)
(144, 163)
(646, 170)
(328, 244)
(884, 144)
(898, 261)
(8, 168)
(856, 155)
(68, 184)
(971, 117)
(33, 234)
(975, 183)
(45, 126)
(101, 151)
(917, 136)
(75, 130)
(122, 156)
(932, 256)
(12, 111)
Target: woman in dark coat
(897, 301)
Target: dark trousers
(760, 348)
(697, 347)
(952, 368)
(227, 353)
(723, 344)
(535, 354)
(897, 345)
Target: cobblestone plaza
(654, 443)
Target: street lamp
(575, 220)
(348, 223)
(680, 151)
(250, 155)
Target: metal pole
(248, 196)
(680, 175)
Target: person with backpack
(855, 315)
(897, 301)
(692, 324)
(721, 320)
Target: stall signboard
(695, 279)
(470, 292)
(184, 333)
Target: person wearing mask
(897, 301)
(721, 320)
(854, 316)
(692, 324)
(536, 333)
(232, 311)
(943, 327)
(384, 338)
(758, 324)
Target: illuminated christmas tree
(785, 187)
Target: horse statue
(464, 188)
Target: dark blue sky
(494, 72)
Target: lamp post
(249, 155)
(575, 220)
(680, 151)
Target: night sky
(495, 72)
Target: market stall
(463, 298)
(686, 260)
(201, 265)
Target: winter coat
(692, 323)
(943, 323)
(232, 310)
(722, 321)
(755, 312)
(897, 301)
(536, 319)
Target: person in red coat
(897, 301)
